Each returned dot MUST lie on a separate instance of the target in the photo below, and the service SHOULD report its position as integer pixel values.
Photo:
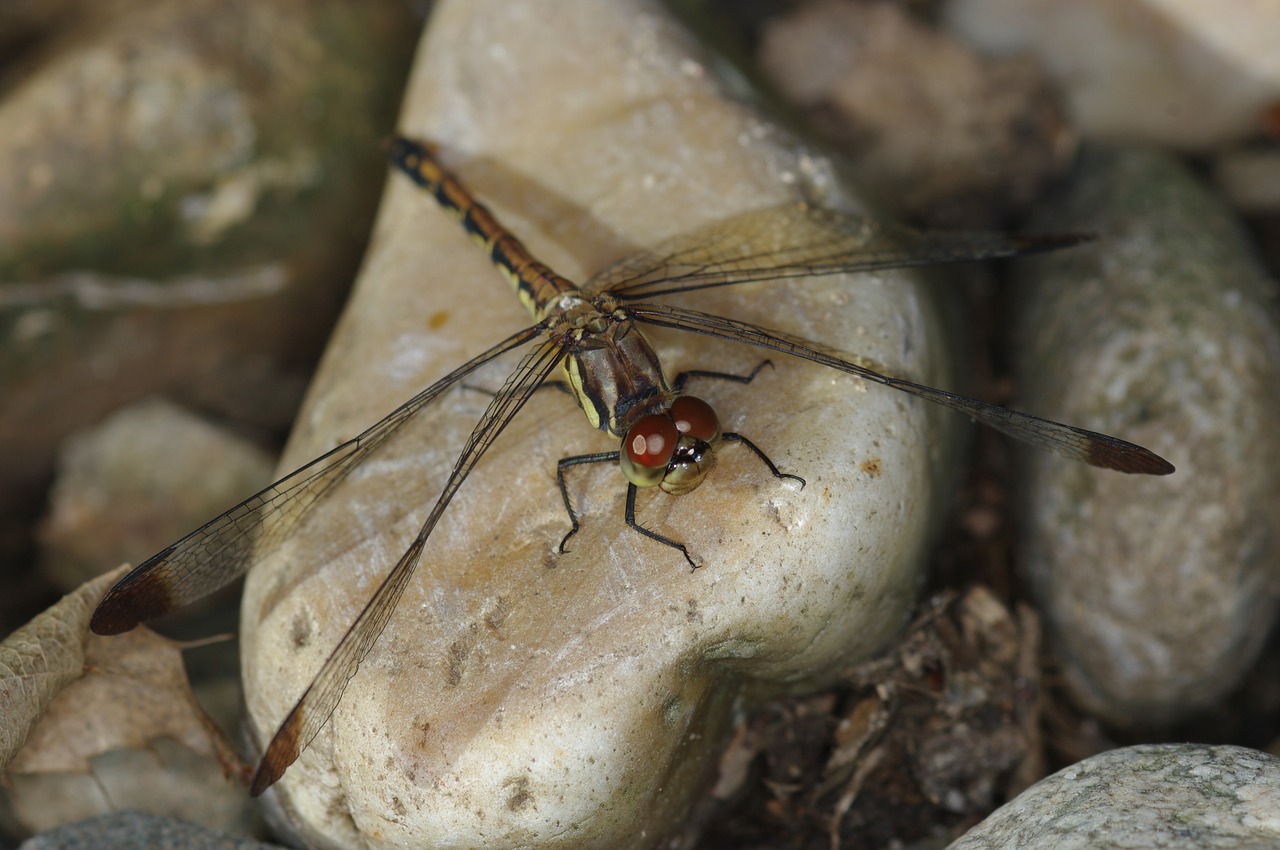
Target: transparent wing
(222, 549)
(797, 240)
(324, 693)
(1066, 440)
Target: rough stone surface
(1159, 593)
(1172, 796)
(940, 132)
(130, 830)
(525, 698)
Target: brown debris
(927, 738)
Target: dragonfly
(589, 340)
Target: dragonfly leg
(732, 437)
(562, 386)
(631, 521)
(684, 376)
(565, 463)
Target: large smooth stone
(520, 697)
(1158, 593)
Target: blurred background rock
(185, 193)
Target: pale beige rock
(137, 481)
(525, 698)
(1176, 73)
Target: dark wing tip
(1041, 243)
(110, 619)
(123, 609)
(1127, 457)
(141, 595)
(264, 777)
(281, 752)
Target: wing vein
(322, 696)
(224, 548)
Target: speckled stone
(1157, 593)
(130, 830)
(1171, 796)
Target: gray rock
(135, 830)
(1171, 796)
(1182, 75)
(1157, 593)
(940, 132)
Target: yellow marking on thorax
(573, 374)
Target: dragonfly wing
(1076, 443)
(324, 693)
(797, 240)
(224, 548)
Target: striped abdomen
(535, 284)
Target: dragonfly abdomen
(535, 284)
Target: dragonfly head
(671, 450)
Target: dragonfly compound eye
(689, 465)
(695, 418)
(647, 449)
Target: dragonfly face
(671, 450)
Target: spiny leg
(683, 377)
(732, 437)
(565, 463)
(631, 521)
(611, 457)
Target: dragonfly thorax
(610, 365)
(672, 450)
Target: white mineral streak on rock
(525, 698)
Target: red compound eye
(651, 441)
(695, 418)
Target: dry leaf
(110, 724)
(134, 689)
(41, 658)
